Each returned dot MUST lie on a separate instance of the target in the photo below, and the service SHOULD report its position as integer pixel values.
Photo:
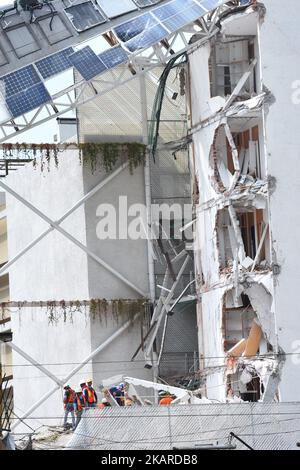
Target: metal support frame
(35, 363)
(71, 97)
(161, 310)
(56, 225)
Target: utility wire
(270, 355)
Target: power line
(117, 361)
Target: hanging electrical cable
(158, 101)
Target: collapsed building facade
(243, 122)
(216, 125)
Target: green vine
(120, 310)
(93, 155)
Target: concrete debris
(248, 189)
(243, 107)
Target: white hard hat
(104, 400)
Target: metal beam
(81, 201)
(72, 239)
(71, 98)
(158, 318)
(35, 363)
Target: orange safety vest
(166, 401)
(79, 404)
(71, 396)
(91, 395)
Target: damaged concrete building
(209, 89)
(243, 121)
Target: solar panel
(55, 63)
(211, 4)
(172, 8)
(113, 57)
(186, 16)
(17, 81)
(130, 29)
(28, 100)
(87, 63)
(112, 8)
(147, 38)
(146, 3)
(84, 16)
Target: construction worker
(165, 398)
(90, 395)
(69, 398)
(104, 403)
(117, 394)
(79, 405)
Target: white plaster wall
(127, 256)
(280, 67)
(116, 358)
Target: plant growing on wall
(93, 155)
(99, 309)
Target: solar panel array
(152, 27)
(89, 65)
(56, 63)
(179, 13)
(24, 90)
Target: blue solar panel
(147, 38)
(172, 8)
(19, 80)
(211, 4)
(55, 64)
(87, 63)
(28, 100)
(146, 3)
(113, 57)
(130, 29)
(176, 22)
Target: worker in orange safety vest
(165, 398)
(90, 395)
(69, 398)
(79, 405)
